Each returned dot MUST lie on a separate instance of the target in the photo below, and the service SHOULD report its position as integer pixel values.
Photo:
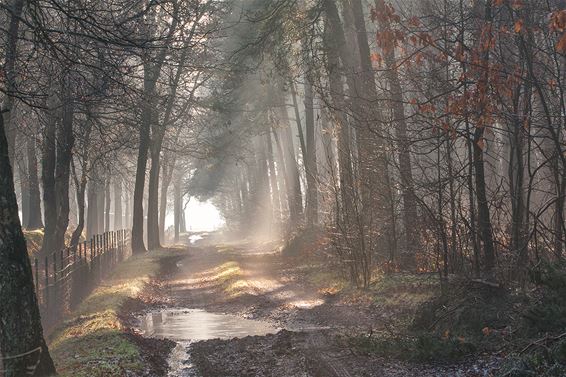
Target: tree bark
(92, 214)
(310, 157)
(295, 196)
(24, 189)
(107, 203)
(118, 222)
(80, 187)
(65, 143)
(153, 242)
(138, 245)
(127, 217)
(275, 199)
(177, 206)
(484, 220)
(35, 217)
(48, 178)
(21, 334)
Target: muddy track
(324, 364)
(266, 290)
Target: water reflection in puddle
(196, 237)
(189, 325)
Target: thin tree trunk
(294, 186)
(118, 222)
(100, 202)
(24, 190)
(35, 217)
(183, 223)
(92, 214)
(285, 175)
(273, 178)
(310, 157)
(80, 187)
(65, 143)
(177, 206)
(153, 242)
(48, 178)
(127, 217)
(410, 219)
(165, 181)
(298, 122)
(484, 220)
(107, 203)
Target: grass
(92, 341)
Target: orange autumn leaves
(558, 25)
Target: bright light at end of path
(201, 217)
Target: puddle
(195, 237)
(185, 326)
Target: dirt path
(255, 282)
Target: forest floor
(325, 321)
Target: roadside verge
(95, 340)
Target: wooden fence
(64, 278)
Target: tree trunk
(272, 178)
(80, 187)
(107, 203)
(294, 187)
(153, 242)
(298, 122)
(138, 245)
(35, 217)
(410, 220)
(21, 332)
(65, 143)
(484, 220)
(48, 178)
(24, 189)
(118, 223)
(127, 217)
(336, 87)
(165, 180)
(177, 206)
(310, 157)
(92, 214)
(100, 202)
(183, 223)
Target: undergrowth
(416, 348)
(475, 317)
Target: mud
(254, 282)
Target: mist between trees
(416, 135)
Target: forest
(283, 188)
